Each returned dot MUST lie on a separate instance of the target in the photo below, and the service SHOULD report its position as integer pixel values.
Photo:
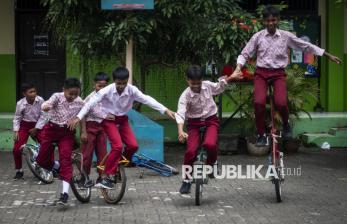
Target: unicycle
(119, 179)
(80, 183)
(198, 166)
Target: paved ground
(317, 196)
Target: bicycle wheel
(198, 191)
(113, 196)
(278, 187)
(78, 180)
(30, 152)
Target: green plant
(301, 91)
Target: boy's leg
(111, 130)
(88, 147)
(128, 139)
(65, 147)
(280, 98)
(210, 141)
(259, 97)
(23, 136)
(193, 143)
(101, 147)
(40, 138)
(45, 158)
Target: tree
(174, 32)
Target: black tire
(278, 190)
(198, 191)
(113, 196)
(43, 175)
(162, 167)
(82, 194)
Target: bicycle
(143, 161)
(79, 181)
(276, 157)
(119, 179)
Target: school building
(28, 54)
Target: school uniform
(95, 134)
(27, 116)
(119, 131)
(61, 111)
(272, 57)
(199, 109)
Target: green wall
(334, 80)
(8, 83)
(345, 79)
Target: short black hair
(194, 72)
(101, 76)
(271, 10)
(72, 83)
(120, 73)
(26, 86)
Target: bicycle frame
(101, 166)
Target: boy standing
(117, 99)
(62, 108)
(28, 120)
(197, 106)
(93, 136)
(270, 46)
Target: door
(39, 60)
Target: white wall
(7, 37)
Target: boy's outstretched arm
(297, 43)
(151, 102)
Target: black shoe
(63, 199)
(19, 175)
(83, 183)
(287, 131)
(55, 173)
(105, 183)
(261, 141)
(185, 187)
(98, 180)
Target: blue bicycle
(143, 161)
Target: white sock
(19, 170)
(56, 165)
(66, 187)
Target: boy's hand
(110, 117)
(46, 108)
(84, 137)
(33, 132)
(237, 75)
(170, 114)
(15, 136)
(335, 59)
(73, 123)
(182, 136)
